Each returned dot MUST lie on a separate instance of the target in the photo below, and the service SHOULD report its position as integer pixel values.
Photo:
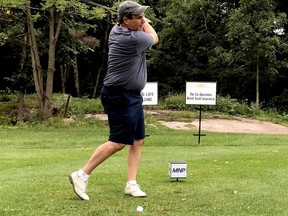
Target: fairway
(228, 174)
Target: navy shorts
(125, 114)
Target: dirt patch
(233, 126)
(239, 125)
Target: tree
(252, 34)
(189, 33)
(200, 40)
(56, 11)
(13, 34)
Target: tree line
(49, 46)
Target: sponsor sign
(201, 93)
(150, 93)
(177, 169)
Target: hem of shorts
(119, 142)
(124, 142)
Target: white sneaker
(134, 190)
(79, 186)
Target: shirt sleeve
(144, 41)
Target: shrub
(231, 106)
(7, 114)
(225, 105)
(78, 107)
(81, 106)
(175, 102)
(280, 103)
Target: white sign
(150, 93)
(177, 169)
(201, 93)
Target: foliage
(82, 106)
(254, 39)
(190, 31)
(220, 41)
(77, 108)
(45, 20)
(174, 102)
(280, 103)
(214, 40)
(10, 22)
(226, 105)
(7, 106)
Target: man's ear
(125, 20)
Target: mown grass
(228, 174)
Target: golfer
(120, 96)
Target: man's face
(136, 22)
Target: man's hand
(145, 20)
(146, 27)
(148, 20)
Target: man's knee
(138, 142)
(118, 146)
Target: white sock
(131, 182)
(82, 175)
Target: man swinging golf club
(120, 96)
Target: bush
(82, 106)
(78, 107)
(231, 106)
(174, 102)
(225, 105)
(5, 98)
(7, 114)
(280, 103)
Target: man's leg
(79, 179)
(134, 156)
(101, 153)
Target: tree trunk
(53, 36)
(76, 73)
(257, 84)
(97, 81)
(21, 105)
(64, 75)
(36, 65)
(104, 57)
(21, 95)
(44, 97)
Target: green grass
(228, 174)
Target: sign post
(201, 93)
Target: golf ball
(139, 209)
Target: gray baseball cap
(130, 7)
